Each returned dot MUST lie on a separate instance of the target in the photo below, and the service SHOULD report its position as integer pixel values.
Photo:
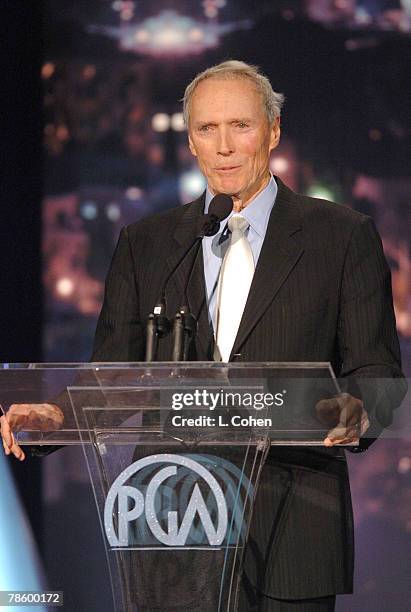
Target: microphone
(220, 207)
(185, 323)
(158, 325)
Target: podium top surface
(161, 365)
(92, 396)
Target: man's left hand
(346, 416)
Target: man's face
(230, 135)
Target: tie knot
(238, 223)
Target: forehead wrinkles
(208, 98)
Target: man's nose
(225, 144)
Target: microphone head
(220, 206)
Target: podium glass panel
(175, 453)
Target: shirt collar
(257, 212)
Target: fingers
(10, 445)
(333, 438)
(17, 451)
(346, 432)
(5, 447)
(6, 431)
(347, 429)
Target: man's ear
(191, 146)
(275, 132)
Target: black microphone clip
(220, 207)
(158, 326)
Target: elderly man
(308, 282)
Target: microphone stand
(184, 324)
(158, 325)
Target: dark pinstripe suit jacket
(321, 292)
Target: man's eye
(242, 125)
(205, 128)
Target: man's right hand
(9, 443)
(41, 417)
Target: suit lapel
(184, 235)
(280, 252)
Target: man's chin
(227, 188)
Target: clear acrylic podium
(175, 453)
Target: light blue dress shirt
(257, 213)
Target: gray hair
(234, 69)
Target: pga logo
(132, 504)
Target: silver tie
(234, 283)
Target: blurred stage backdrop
(113, 75)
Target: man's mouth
(227, 169)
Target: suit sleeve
(367, 336)
(119, 333)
